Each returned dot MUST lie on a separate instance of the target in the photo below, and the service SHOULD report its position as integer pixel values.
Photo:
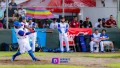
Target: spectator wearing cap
(75, 23)
(103, 22)
(111, 22)
(87, 23)
(54, 24)
(98, 24)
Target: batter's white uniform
(32, 36)
(23, 26)
(96, 37)
(54, 25)
(22, 41)
(63, 29)
(25, 29)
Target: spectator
(10, 15)
(46, 25)
(95, 40)
(21, 11)
(67, 21)
(3, 4)
(98, 24)
(103, 22)
(87, 23)
(104, 37)
(1, 14)
(14, 18)
(111, 22)
(75, 23)
(4, 22)
(1, 26)
(81, 24)
(54, 24)
(10, 11)
(1, 17)
(13, 4)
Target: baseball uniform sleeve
(34, 25)
(107, 36)
(66, 28)
(59, 28)
(22, 33)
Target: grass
(103, 55)
(93, 55)
(70, 55)
(40, 66)
(113, 65)
(9, 54)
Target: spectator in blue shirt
(105, 41)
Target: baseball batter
(63, 29)
(23, 41)
(32, 36)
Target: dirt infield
(74, 60)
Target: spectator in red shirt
(74, 23)
(111, 22)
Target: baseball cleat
(69, 51)
(91, 52)
(113, 51)
(36, 59)
(13, 58)
(102, 51)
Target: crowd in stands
(14, 13)
(102, 23)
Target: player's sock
(30, 52)
(18, 53)
(14, 56)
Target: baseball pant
(103, 44)
(63, 37)
(33, 38)
(92, 45)
(24, 45)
